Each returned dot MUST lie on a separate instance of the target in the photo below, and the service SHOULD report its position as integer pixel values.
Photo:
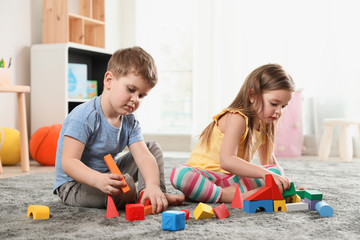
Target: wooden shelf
(53, 60)
(86, 27)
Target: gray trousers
(81, 195)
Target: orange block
(114, 169)
(148, 210)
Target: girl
(222, 157)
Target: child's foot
(174, 200)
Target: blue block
(324, 209)
(173, 220)
(252, 206)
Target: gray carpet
(338, 181)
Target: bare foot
(174, 200)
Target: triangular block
(270, 182)
(238, 198)
(269, 192)
(111, 210)
(263, 194)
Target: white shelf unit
(49, 79)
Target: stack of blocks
(268, 198)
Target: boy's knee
(129, 197)
(154, 148)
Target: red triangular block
(270, 182)
(269, 192)
(111, 210)
(238, 198)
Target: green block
(313, 195)
(301, 193)
(290, 191)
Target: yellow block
(203, 211)
(38, 212)
(279, 204)
(293, 199)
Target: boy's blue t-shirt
(87, 124)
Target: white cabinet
(49, 79)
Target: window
(164, 29)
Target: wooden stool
(345, 143)
(5, 86)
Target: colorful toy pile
(268, 199)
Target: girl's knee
(178, 174)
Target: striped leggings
(206, 186)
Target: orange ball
(43, 144)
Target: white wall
(21, 28)
(15, 41)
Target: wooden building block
(114, 169)
(324, 209)
(187, 214)
(111, 210)
(279, 205)
(221, 211)
(293, 199)
(134, 212)
(262, 205)
(147, 210)
(313, 195)
(238, 198)
(311, 203)
(203, 211)
(269, 192)
(301, 193)
(173, 220)
(38, 212)
(300, 206)
(290, 191)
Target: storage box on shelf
(87, 26)
(50, 102)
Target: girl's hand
(110, 183)
(157, 198)
(281, 182)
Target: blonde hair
(134, 60)
(268, 77)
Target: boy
(106, 125)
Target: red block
(269, 192)
(111, 210)
(134, 212)
(187, 214)
(238, 198)
(221, 211)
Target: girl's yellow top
(209, 160)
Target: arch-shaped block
(279, 205)
(252, 206)
(38, 212)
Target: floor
(12, 171)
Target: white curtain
(318, 43)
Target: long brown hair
(268, 77)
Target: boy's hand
(110, 183)
(157, 198)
